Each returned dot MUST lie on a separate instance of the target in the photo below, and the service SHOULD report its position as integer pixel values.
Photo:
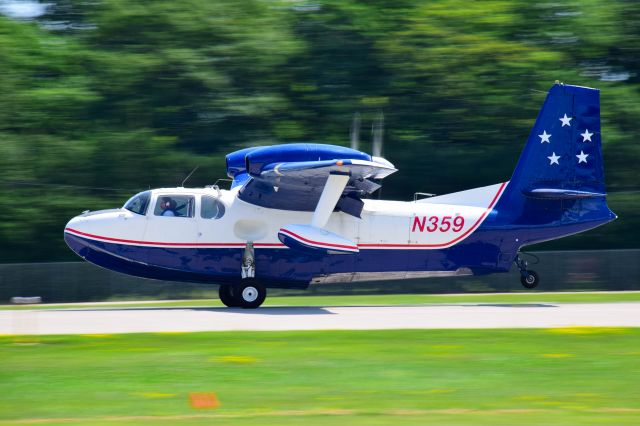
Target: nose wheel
(246, 295)
(528, 278)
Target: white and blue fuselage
(299, 214)
(395, 240)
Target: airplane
(301, 214)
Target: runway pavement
(133, 320)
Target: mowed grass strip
(370, 300)
(542, 376)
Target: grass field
(381, 299)
(448, 377)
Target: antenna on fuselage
(188, 176)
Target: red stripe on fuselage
(365, 245)
(156, 243)
(473, 227)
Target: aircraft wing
(298, 185)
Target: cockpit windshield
(138, 203)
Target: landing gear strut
(529, 279)
(249, 294)
(248, 262)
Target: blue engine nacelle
(253, 160)
(236, 161)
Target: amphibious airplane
(298, 214)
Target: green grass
(448, 377)
(381, 299)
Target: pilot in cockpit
(168, 206)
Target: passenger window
(212, 208)
(174, 206)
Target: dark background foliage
(103, 98)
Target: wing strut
(314, 238)
(336, 182)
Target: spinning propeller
(377, 138)
(377, 133)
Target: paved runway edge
(142, 320)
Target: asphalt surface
(133, 320)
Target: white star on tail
(582, 157)
(586, 136)
(566, 121)
(544, 137)
(553, 159)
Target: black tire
(225, 292)
(529, 279)
(249, 295)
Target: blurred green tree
(101, 99)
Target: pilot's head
(167, 203)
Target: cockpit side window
(211, 208)
(138, 203)
(175, 205)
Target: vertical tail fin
(557, 188)
(563, 154)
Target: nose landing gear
(529, 279)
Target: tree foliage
(115, 96)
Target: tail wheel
(249, 295)
(227, 298)
(529, 279)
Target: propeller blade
(355, 131)
(377, 130)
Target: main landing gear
(529, 279)
(247, 295)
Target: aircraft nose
(75, 224)
(72, 230)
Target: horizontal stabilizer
(308, 238)
(560, 194)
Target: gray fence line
(559, 270)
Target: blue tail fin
(558, 187)
(563, 157)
